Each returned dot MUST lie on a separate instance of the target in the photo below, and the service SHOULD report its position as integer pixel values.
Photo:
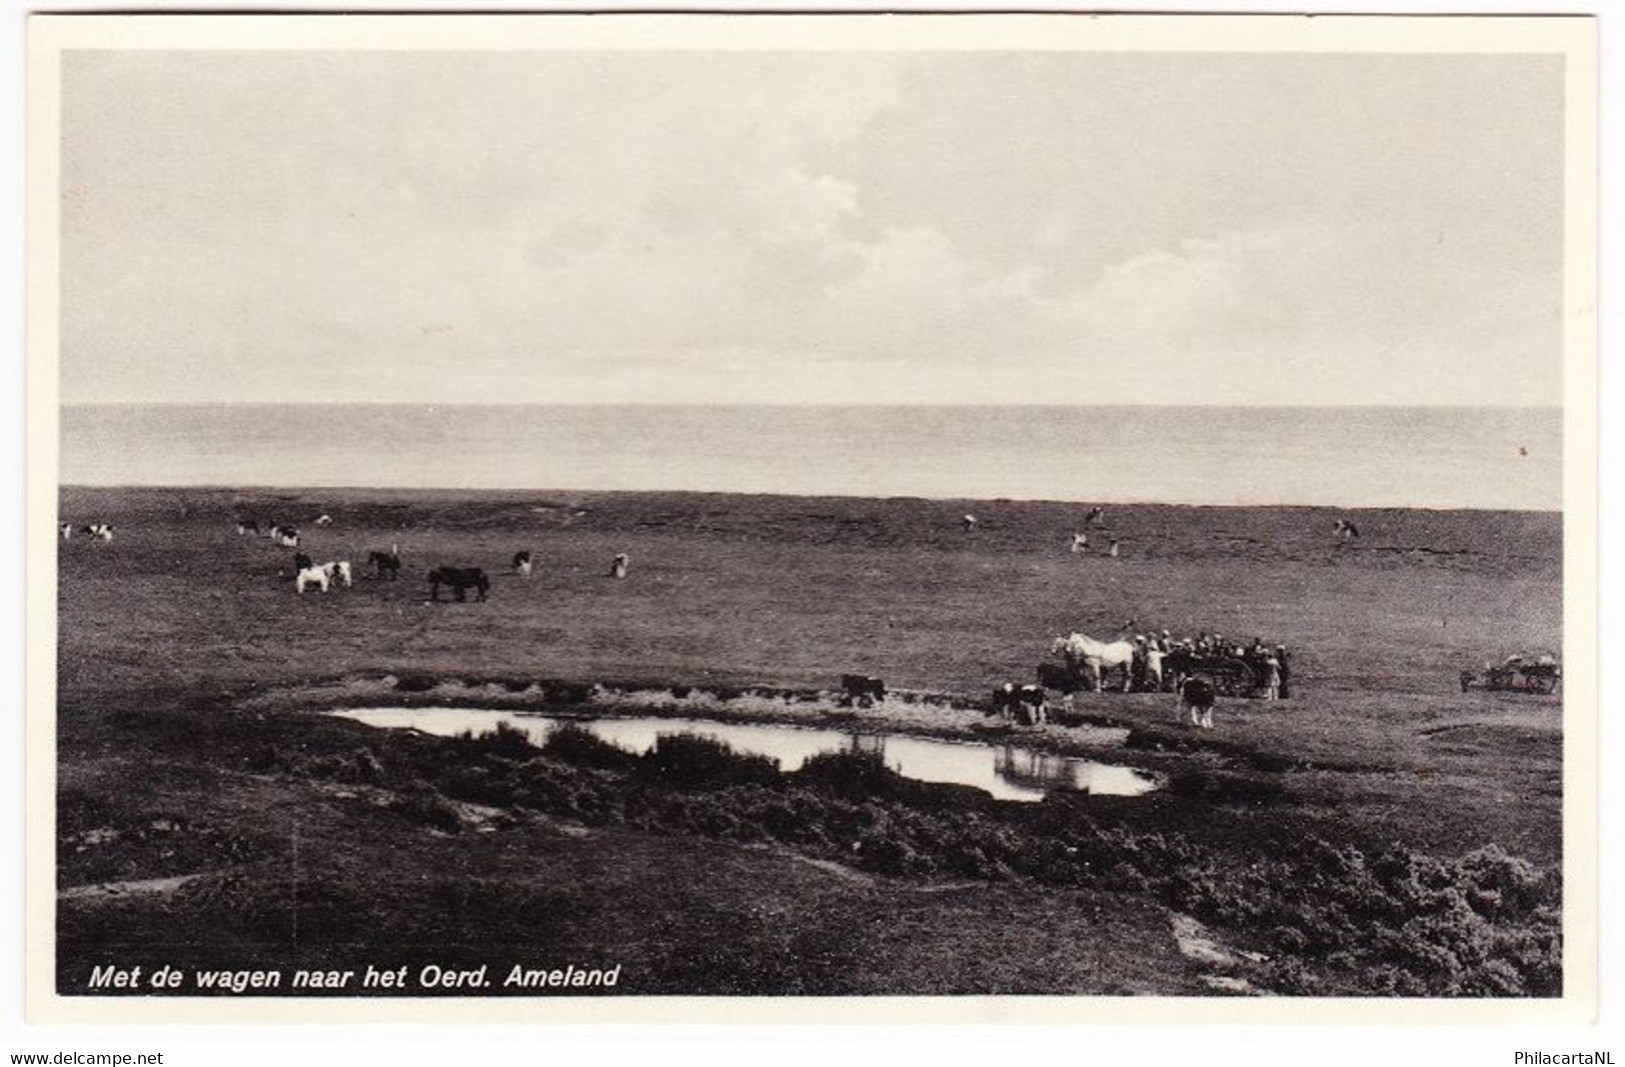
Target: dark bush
(576, 744)
(693, 761)
(504, 740)
(423, 805)
(855, 774)
(569, 693)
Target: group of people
(1162, 662)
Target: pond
(1007, 771)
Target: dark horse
(460, 580)
(385, 564)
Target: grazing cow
(1089, 660)
(1024, 704)
(102, 531)
(1346, 530)
(316, 576)
(67, 530)
(1080, 543)
(618, 566)
(862, 690)
(1199, 696)
(385, 564)
(338, 571)
(969, 522)
(1054, 676)
(302, 562)
(1097, 517)
(460, 580)
(324, 520)
(286, 536)
(521, 563)
(247, 526)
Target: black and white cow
(521, 563)
(102, 531)
(1023, 704)
(1199, 696)
(1347, 531)
(862, 691)
(286, 536)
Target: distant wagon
(1522, 673)
(1230, 676)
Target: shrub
(504, 740)
(576, 744)
(569, 693)
(856, 774)
(694, 761)
(422, 805)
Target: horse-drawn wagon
(1523, 673)
(1230, 676)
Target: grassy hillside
(188, 667)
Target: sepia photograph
(1091, 511)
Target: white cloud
(779, 227)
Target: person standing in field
(1272, 678)
(1285, 667)
(1153, 665)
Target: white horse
(1090, 659)
(316, 576)
(338, 571)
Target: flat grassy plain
(1380, 832)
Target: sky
(950, 228)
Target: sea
(1427, 457)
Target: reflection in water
(1046, 771)
(1008, 772)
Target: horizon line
(527, 491)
